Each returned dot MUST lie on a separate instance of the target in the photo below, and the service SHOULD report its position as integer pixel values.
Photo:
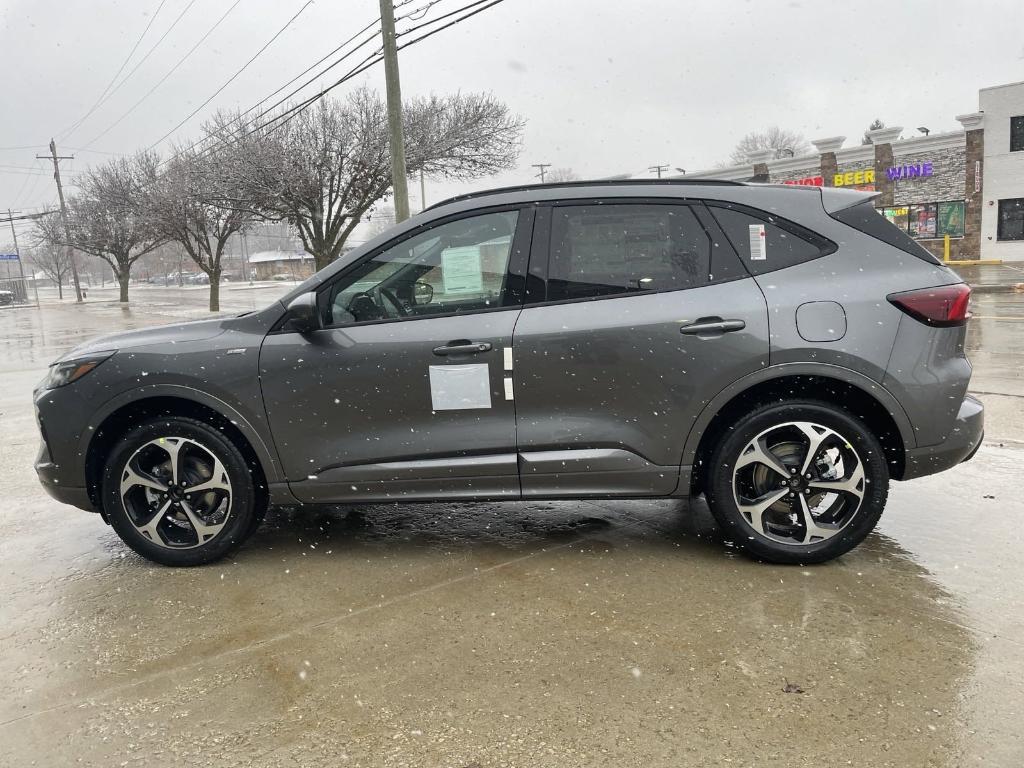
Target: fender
(264, 455)
(838, 372)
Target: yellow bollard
(945, 248)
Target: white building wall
(1004, 170)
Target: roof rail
(594, 183)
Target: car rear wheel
(179, 493)
(798, 482)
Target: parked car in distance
(6, 297)
(283, 276)
(782, 350)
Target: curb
(999, 288)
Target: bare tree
(52, 259)
(198, 202)
(562, 174)
(782, 142)
(103, 219)
(875, 125)
(323, 168)
(380, 219)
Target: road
(528, 634)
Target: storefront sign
(854, 178)
(912, 171)
(809, 181)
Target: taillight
(942, 307)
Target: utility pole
(394, 88)
(14, 234)
(542, 167)
(423, 193)
(64, 212)
(658, 169)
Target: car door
(647, 312)
(401, 393)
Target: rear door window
(617, 249)
(765, 242)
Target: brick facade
(970, 247)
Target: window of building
(1011, 219)
(610, 250)
(783, 244)
(1017, 133)
(928, 221)
(922, 220)
(951, 219)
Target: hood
(175, 333)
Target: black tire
(772, 419)
(243, 510)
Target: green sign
(951, 219)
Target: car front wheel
(179, 492)
(798, 482)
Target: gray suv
(784, 351)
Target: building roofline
(1004, 85)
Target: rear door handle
(462, 347)
(712, 326)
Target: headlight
(67, 371)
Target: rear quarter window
(785, 243)
(864, 218)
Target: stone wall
(949, 168)
(811, 169)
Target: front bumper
(961, 444)
(50, 474)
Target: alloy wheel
(798, 483)
(176, 492)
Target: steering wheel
(385, 293)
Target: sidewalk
(993, 278)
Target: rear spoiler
(837, 199)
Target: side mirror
(302, 313)
(422, 293)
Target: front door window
(453, 268)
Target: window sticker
(460, 387)
(758, 251)
(508, 388)
(461, 270)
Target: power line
(283, 99)
(240, 71)
(361, 67)
(366, 64)
(170, 72)
(442, 17)
(284, 117)
(120, 69)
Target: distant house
(281, 265)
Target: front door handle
(462, 347)
(712, 326)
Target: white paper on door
(461, 270)
(460, 387)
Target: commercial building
(281, 265)
(966, 184)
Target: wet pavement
(616, 633)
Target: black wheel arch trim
(784, 370)
(265, 454)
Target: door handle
(462, 347)
(712, 326)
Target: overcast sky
(606, 86)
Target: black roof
(594, 183)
